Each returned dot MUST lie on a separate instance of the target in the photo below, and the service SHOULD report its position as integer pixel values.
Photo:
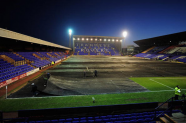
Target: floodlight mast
(124, 35)
(70, 33)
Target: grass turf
(160, 83)
(158, 93)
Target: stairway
(167, 119)
(179, 117)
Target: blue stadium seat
(106, 119)
(116, 116)
(69, 119)
(83, 121)
(109, 116)
(113, 119)
(90, 118)
(127, 118)
(96, 117)
(127, 115)
(141, 120)
(54, 121)
(46, 121)
(62, 120)
(103, 117)
(83, 118)
(76, 118)
(120, 118)
(90, 121)
(148, 119)
(98, 120)
(39, 121)
(75, 121)
(31, 121)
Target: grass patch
(9, 105)
(160, 83)
(157, 93)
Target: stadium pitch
(114, 73)
(121, 80)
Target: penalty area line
(161, 83)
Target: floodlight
(124, 34)
(70, 31)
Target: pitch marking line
(161, 84)
(90, 94)
(169, 78)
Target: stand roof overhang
(18, 36)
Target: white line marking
(155, 91)
(161, 83)
(169, 78)
(91, 94)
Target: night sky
(50, 19)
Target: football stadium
(92, 81)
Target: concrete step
(164, 120)
(179, 117)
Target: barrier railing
(171, 105)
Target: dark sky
(50, 19)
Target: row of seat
(143, 117)
(157, 49)
(12, 55)
(12, 72)
(8, 71)
(180, 58)
(147, 120)
(41, 63)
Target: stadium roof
(171, 39)
(90, 36)
(18, 36)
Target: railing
(170, 108)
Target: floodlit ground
(113, 76)
(121, 80)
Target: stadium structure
(138, 89)
(96, 45)
(22, 55)
(168, 47)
